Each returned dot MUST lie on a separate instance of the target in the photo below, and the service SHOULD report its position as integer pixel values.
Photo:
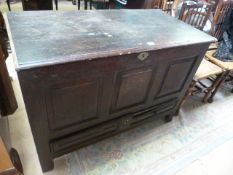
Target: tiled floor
(217, 162)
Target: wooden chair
(174, 7)
(220, 15)
(166, 6)
(195, 14)
(223, 7)
(207, 71)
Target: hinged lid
(42, 38)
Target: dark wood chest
(141, 4)
(37, 4)
(87, 75)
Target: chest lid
(41, 38)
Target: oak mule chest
(87, 75)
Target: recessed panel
(131, 88)
(73, 104)
(175, 77)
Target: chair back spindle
(221, 12)
(195, 14)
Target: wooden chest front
(99, 81)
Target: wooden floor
(5, 162)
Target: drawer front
(84, 137)
(99, 132)
(153, 112)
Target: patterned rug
(158, 148)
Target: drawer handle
(126, 122)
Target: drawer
(153, 112)
(84, 137)
(99, 132)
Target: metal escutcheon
(142, 56)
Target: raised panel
(131, 88)
(73, 103)
(175, 76)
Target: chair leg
(79, 4)
(56, 4)
(85, 4)
(187, 94)
(8, 4)
(91, 4)
(214, 87)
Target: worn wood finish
(111, 71)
